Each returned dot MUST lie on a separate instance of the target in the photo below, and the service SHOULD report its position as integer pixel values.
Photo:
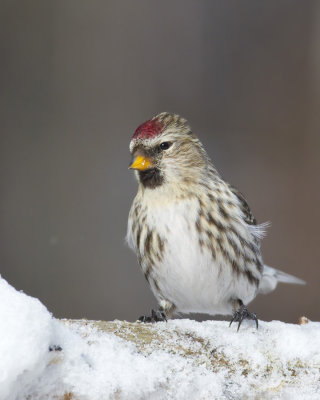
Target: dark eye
(165, 145)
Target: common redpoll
(195, 237)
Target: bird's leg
(165, 311)
(241, 312)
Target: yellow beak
(141, 163)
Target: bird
(195, 237)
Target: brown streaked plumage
(195, 236)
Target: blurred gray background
(77, 78)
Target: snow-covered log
(180, 359)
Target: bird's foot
(242, 314)
(156, 316)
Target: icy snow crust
(181, 359)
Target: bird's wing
(248, 216)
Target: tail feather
(272, 276)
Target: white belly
(188, 276)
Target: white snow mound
(25, 336)
(181, 359)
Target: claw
(144, 319)
(242, 314)
(156, 316)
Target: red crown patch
(148, 130)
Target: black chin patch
(151, 178)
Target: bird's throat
(151, 178)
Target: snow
(180, 359)
(25, 334)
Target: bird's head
(164, 150)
